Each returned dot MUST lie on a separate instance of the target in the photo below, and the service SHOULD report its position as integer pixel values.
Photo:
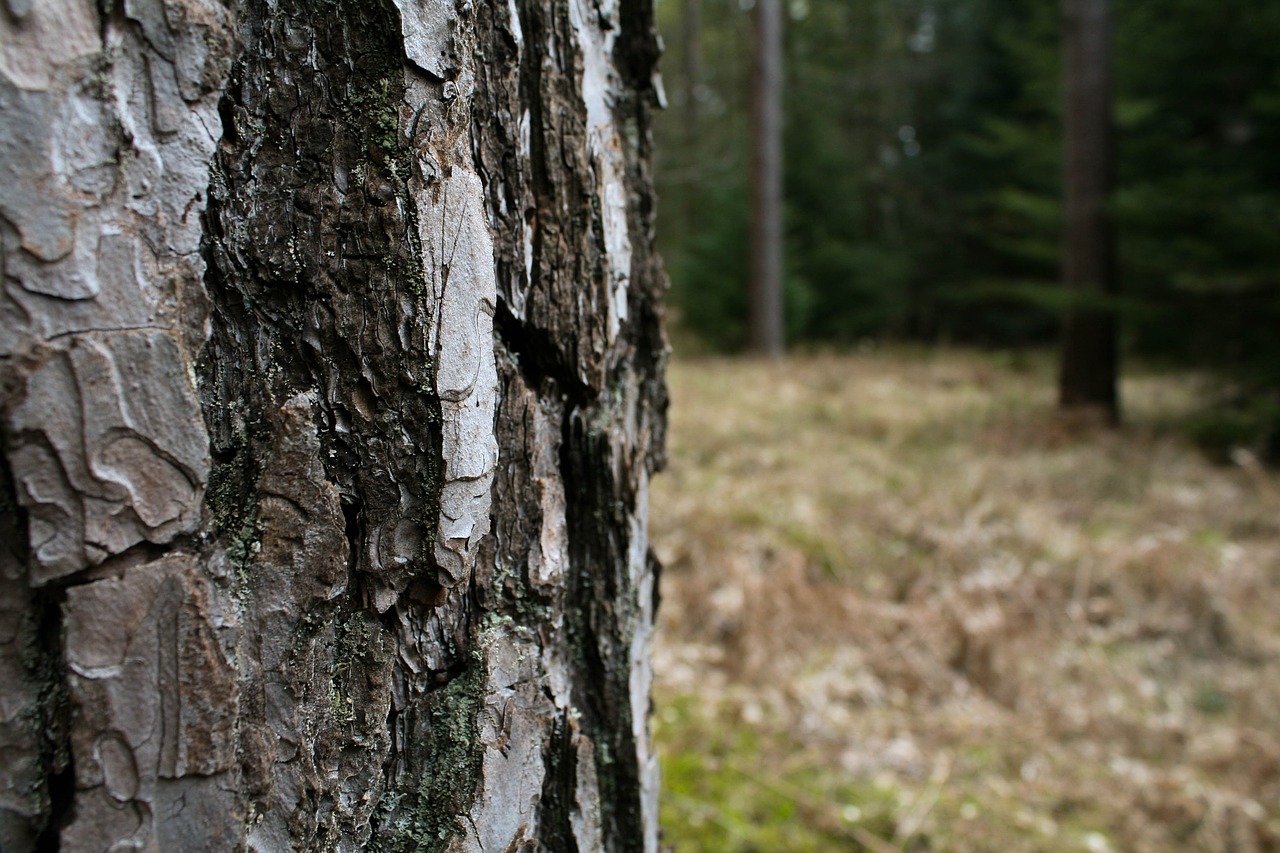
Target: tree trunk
(331, 384)
(1089, 349)
(691, 35)
(766, 335)
(691, 38)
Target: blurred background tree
(923, 175)
(765, 309)
(1088, 365)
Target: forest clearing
(907, 607)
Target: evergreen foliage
(923, 160)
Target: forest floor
(906, 607)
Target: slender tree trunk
(766, 336)
(691, 35)
(1089, 347)
(330, 385)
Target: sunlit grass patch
(733, 785)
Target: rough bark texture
(1089, 345)
(331, 356)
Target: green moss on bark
(421, 811)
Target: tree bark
(765, 334)
(1089, 347)
(331, 384)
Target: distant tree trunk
(1089, 346)
(330, 388)
(691, 34)
(766, 335)
(691, 37)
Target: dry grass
(906, 607)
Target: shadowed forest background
(923, 174)
(907, 606)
